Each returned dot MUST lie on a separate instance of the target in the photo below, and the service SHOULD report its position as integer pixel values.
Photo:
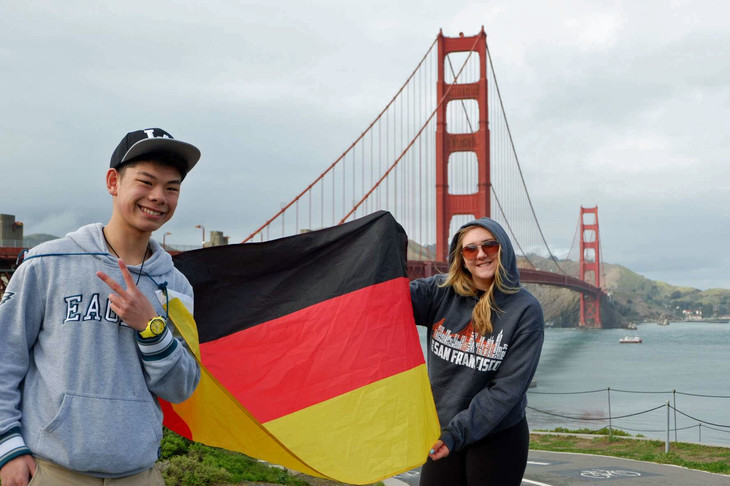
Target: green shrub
(187, 463)
(173, 444)
(190, 470)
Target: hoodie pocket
(102, 434)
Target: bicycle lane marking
(609, 473)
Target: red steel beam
(449, 205)
(590, 306)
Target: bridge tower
(590, 263)
(476, 204)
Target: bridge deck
(420, 269)
(416, 269)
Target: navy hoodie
(479, 383)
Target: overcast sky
(624, 105)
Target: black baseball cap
(153, 140)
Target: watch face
(157, 326)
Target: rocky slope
(631, 298)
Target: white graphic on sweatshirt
(6, 297)
(90, 309)
(468, 348)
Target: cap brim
(187, 152)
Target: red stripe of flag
(173, 421)
(317, 353)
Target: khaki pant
(50, 474)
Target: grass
(692, 456)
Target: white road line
(394, 482)
(538, 463)
(536, 483)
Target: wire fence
(668, 422)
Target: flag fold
(309, 354)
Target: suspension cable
(321, 176)
(575, 238)
(519, 168)
(428, 121)
(509, 227)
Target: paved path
(565, 469)
(560, 469)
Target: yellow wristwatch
(155, 327)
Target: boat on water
(632, 326)
(663, 320)
(630, 339)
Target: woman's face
(480, 256)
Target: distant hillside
(639, 298)
(634, 298)
(418, 252)
(36, 239)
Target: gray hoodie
(479, 382)
(79, 387)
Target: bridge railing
(10, 253)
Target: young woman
(485, 337)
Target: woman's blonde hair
(461, 280)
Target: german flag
(309, 354)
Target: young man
(82, 367)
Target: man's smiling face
(146, 194)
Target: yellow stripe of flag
(374, 432)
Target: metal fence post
(674, 396)
(666, 444)
(610, 427)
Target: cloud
(620, 105)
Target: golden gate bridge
(437, 158)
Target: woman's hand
(438, 451)
(130, 304)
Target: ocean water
(685, 364)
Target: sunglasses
(489, 247)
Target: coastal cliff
(631, 298)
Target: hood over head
(508, 258)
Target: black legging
(497, 460)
